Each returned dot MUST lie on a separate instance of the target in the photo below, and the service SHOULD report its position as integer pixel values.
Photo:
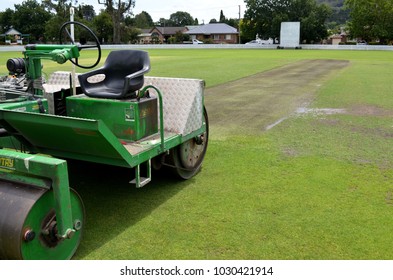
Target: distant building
(145, 37)
(337, 39)
(218, 33)
(13, 36)
(162, 34)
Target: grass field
(299, 164)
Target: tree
(86, 12)
(180, 37)
(131, 34)
(247, 30)
(52, 28)
(143, 20)
(371, 19)
(264, 17)
(117, 9)
(162, 22)
(53, 25)
(29, 18)
(103, 26)
(61, 8)
(312, 18)
(6, 20)
(181, 19)
(234, 22)
(222, 17)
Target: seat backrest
(124, 74)
(120, 64)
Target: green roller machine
(113, 115)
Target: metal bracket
(142, 181)
(33, 166)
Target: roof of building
(145, 33)
(213, 28)
(13, 31)
(168, 30)
(144, 30)
(189, 27)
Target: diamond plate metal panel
(183, 103)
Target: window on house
(216, 37)
(228, 37)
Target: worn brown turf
(253, 103)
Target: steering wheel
(65, 29)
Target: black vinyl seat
(123, 73)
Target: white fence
(225, 46)
(240, 46)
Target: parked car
(261, 42)
(253, 42)
(196, 42)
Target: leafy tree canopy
(118, 9)
(181, 19)
(234, 22)
(27, 18)
(371, 19)
(60, 7)
(103, 27)
(264, 17)
(143, 20)
(30, 22)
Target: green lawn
(315, 186)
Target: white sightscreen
(290, 34)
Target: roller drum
(28, 223)
(16, 202)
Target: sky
(204, 10)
